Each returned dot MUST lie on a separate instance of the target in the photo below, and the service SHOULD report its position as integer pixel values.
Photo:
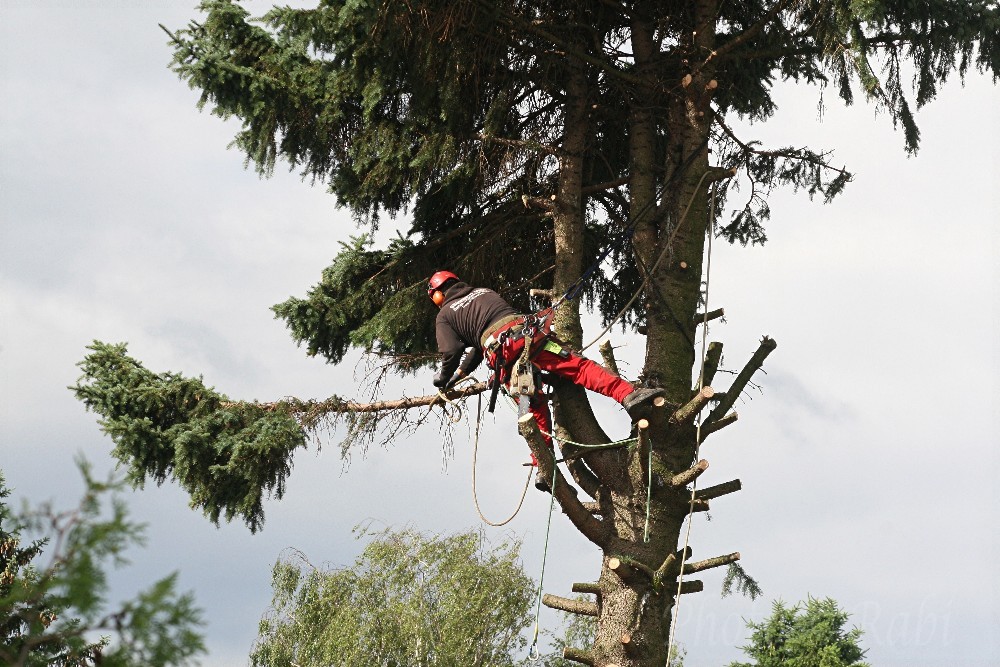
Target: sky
(868, 455)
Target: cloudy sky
(868, 458)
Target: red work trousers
(578, 370)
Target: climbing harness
(697, 450)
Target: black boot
(638, 401)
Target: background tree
(522, 138)
(409, 599)
(809, 635)
(53, 590)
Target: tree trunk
(638, 582)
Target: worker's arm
(473, 357)
(452, 348)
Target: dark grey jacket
(465, 315)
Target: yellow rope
(475, 496)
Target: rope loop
(475, 495)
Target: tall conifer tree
(520, 139)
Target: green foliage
(49, 613)
(812, 635)
(225, 454)
(409, 599)
(456, 110)
(736, 577)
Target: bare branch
(587, 587)
(694, 586)
(747, 34)
(719, 490)
(593, 529)
(578, 655)
(709, 563)
(689, 475)
(601, 187)
(719, 424)
(608, 354)
(713, 356)
(582, 607)
(335, 404)
(701, 318)
(688, 412)
(767, 346)
(516, 143)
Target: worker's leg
(584, 372)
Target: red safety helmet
(438, 279)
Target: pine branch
(737, 577)
(316, 409)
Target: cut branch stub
(695, 586)
(578, 655)
(701, 318)
(582, 607)
(687, 413)
(710, 492)
(642, 433)
(709, 563)
(689, 475)
(698, 506)
(671, 565)
(608, 354)
(719, 424)
(587, 587)
(627, 569)
(713, 357)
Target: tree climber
(480, 319)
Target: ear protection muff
(437, 297)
